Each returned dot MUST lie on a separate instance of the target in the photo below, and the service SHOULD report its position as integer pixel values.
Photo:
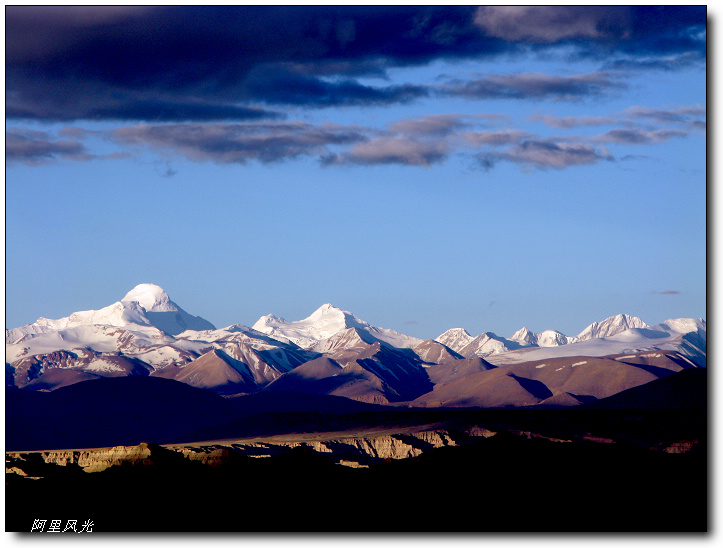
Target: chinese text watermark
(56, 526)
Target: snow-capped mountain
(525, 337)
(487, 344)
(332, 351)
(685, 336)
(456, 338)
(162, 312)
(610, 326)
(147, 328)
(325, 322)
(146, 305)
(549, 337)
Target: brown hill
(360, 368)
(687, 389)
(58, 378)
(448, 371)
(35, 368)
(215, 371)
(430, 351)
(556, 382)
(328, 377)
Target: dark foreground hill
(131, 410)
(103, 412)
(504, 483)
(611, 467)
(687, 389)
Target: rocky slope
(347, 451)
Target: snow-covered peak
(525, 337)
(145, 306)
(456, 338)
(118, 314)
(162, 312)
(328, 314)
(611, 326)
(486, 344)
(325, 309)
(152, 298)
(683, 325)
(550, 337)
(325, 322)
(267, 320)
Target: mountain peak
(328, 314)
(162, 312)
(323, 323)
(524, 336)
(611, 326)
(151, 297)
(455, 338)
(457, 331)
(520, 333)
(325, 309)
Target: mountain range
(333, 352)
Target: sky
(422, 167)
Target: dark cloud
(487, 161)
(496, 138)
(281, 86)
(418, 141)
(197, 63)
(666, 116)
(545, 153)
(671, 33)
(685, 115)
(165, 170)
(667, 292)
(87, 106)
(440, 125)
(639, 37)
(636, 136)
(637, 120)
(392, 150)
(568, 122)
(211, 63)
(241, 142)
(664, 63)
(534, 86)
(34, 147)
(629, 157)
(549, 24)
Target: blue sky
(424, 168)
